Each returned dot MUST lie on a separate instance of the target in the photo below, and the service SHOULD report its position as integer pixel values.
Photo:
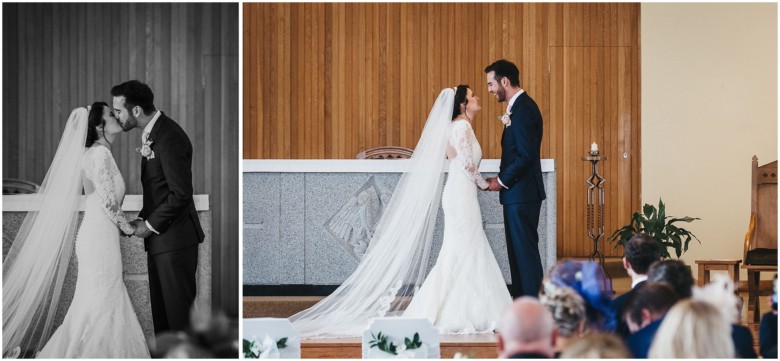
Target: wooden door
(591, 92)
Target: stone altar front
(307, 222)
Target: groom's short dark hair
(135, 93)
(505, 69)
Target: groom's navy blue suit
(169, 208)
(521, 173)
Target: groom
(520, 177)
(168, 221)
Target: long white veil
(395, 263)
(34, 270)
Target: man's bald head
(527, 327)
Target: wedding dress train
(465, 292)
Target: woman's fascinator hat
(588, 279)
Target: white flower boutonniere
(146, 150)
(506, 119)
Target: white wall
(709, 103)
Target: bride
(101, 321)
(465, 291)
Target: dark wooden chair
(388, 152)
(18, 186)
(760, 251)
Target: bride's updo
(460, 97)
(94, 120)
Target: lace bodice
(102, 179)
(464, 148)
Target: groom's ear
(137, 111)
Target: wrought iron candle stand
(596, 219)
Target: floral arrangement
(265, 348)
(383, 343)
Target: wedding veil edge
(37, 261)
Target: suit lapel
(153, 136)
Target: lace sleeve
(463, 145)
(103, 178)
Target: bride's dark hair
(460, 97)
(94, 120)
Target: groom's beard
(501, 94)
(130, 124)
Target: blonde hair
(720, 293)
(566, 306)
(693, 329)
(597, 345)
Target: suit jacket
(767, 335)
(521, 167)
(639, 343)
(743, 341)
(167, 182)
(619, 304)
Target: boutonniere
(146, 150)
(506, 119)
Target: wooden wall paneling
(374, 69)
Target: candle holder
(595, 220)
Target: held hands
(493, 184)
(141, 230)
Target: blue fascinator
(588, 280)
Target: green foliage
(381, 342)
(654, 222)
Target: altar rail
(293, 242)
(15, 207)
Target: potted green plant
(654, 222)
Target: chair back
(762, 233)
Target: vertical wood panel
(384, 64)
(61, 56)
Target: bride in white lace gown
(101, 321)
(465, 291)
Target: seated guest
(720, 293)
(644, 312)
(640, 252)
(693, 329)
(568, 312)
(767, 333)
(588, 279)
(597, 345)
(526, 330)
(673, 273)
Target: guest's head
(641, 251)
(648, 303)
(568, 311)
(720, 293)
(466, 102)
(693, 329)
(526, 328)
(501, 76)
(101, 123)
(673, 273)
(588, 279)
(597, 345)
(133, 100)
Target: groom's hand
(493, 184)
(141, 230)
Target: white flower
(506, 119)
(146, 150)
(268, 349)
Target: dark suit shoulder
(743, 341)
(171, 133)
